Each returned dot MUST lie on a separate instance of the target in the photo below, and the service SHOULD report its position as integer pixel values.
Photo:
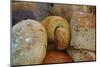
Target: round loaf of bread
(29, 43)
(58, 30)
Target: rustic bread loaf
(58, 30)
(29, 43)
(83, 31)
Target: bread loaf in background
(29, 43)
(29, 10)
(66, 11)
(83, 31)
(62, 10)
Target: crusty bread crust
(83, 31)
(81, 55)
(29, 43)
(57, 27)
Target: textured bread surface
(29, 43)
(57, 29)
(83, 31)
(81, 55)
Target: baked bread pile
(45, 33)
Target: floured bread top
(29, 43)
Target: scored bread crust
(29, 43)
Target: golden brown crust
(52, 25)
(61, 38)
